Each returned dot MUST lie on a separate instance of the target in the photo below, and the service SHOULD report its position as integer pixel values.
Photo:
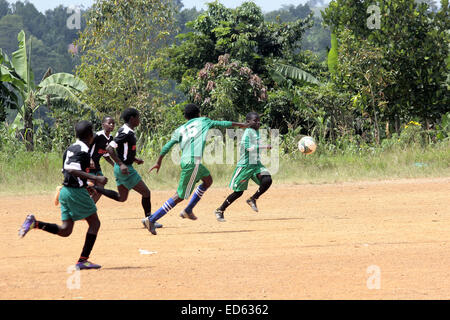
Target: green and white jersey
(249, 149)
(192, 138)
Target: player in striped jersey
(98, 150)
(76, 204)
(192, 137)
(123, 151)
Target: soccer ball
(307, 145)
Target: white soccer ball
(307, 145)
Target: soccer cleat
(28, 224)
(157, 225)
(150, 226)
(252, 203)
(56, 199)
(185, 214)
(219, 215)
(84, 265)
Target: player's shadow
(272, 219)
(125, 268)
(226, 231)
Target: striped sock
(166, 207)
(198, 194)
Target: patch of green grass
(34, 173)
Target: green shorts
(130, 180)
(76, 204)
(190, 174)
(241, 176)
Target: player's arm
(121, 137)
(165, 150)
(228, 124)
(74, 168)
(109, 160)
(112, 153)
(243, 125)
(81, 174)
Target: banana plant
(280, 72)
(18, 73)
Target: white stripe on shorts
(191, 182)
(235, 176)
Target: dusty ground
(307, 242)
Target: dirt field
(307, 242)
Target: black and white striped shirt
(98, 148)
(76, 157)
(125, 144)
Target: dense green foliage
(119, 47)
(354, 88)
(49, 34)
(413, 47)
(17, 73)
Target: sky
(266, 5)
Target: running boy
(192, 137)
(76, 204)
(248, 167)
(98, 150)
(127, 177)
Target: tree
(242, 33)
(10, 25)
(288, 13)
(33, 19)
(415, 45)
(4, 8)
(361, 71)
(18, 73)
(119, 49)
(227, 89)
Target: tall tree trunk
(397, 124)
(388, 133)
(28, 127)
(377, 129)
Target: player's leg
(265, 181)
(198, 193)
(144, 191)
(121, 195)
(91, 235)
(238, 183)
(30, 222)
(124, 182)
(228, 201)
(56, 196)
(187, 177)
(93, 193)
(150, 222)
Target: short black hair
(251, 115)
(83, 130)
(105, 118)
(191, 111)
(128, 113)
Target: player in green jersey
(248, 167)
(192, 138)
